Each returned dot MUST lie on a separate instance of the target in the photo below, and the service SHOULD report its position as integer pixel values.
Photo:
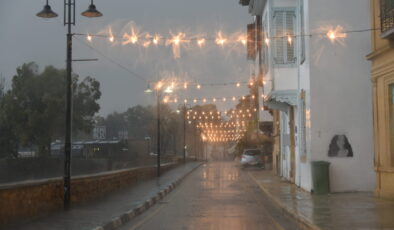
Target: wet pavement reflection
(218, 195)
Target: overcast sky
(25, 37)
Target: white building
(321, 87)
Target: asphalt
(218, 195)
(113, 210)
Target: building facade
(382, 58)
(319, 88)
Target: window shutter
(302, 31)
(278, 37)
(290, 22)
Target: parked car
(251, 157)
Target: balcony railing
(387, 18)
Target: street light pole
(184, 133)
(158, 133)
(67, 144)
(69, 20)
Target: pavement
(336, 211)
(216, 196)
(113, 210)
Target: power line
(136, 75)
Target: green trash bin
(321, 177)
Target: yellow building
(382, 58)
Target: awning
(281, 99)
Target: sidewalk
(334, 211)
(114, 209)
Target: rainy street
(218, 195)
(197, 115)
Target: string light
(289, 39)
(201, 42)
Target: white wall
(341, 92)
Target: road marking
(277, 225)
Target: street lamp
(185, 107)
(158, 89)
(148, 139)
(69, 20)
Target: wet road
(218, 195)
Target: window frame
(286, 62)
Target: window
(391, 121)
(265, 53)
(387, 17)
(302, 31)
(284, 26)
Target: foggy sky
(25, 37)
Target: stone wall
(21, 201)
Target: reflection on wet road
(218, 195)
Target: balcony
(387, 18)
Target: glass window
(391, 121)
(386, 15)
(284, 27)
(302, 31)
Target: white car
(251, 157)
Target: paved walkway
(93, 214)
(334, 211)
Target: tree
(34, 108)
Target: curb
(129, 215)
(305, 224)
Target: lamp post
(69, 20)
(185, 108)
(148, 139)
(158, 89)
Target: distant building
(382, 57)
(99, 133)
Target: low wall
(25, 200)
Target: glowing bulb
(238, 84)
(267, 41)
(185, 100)
(195, 100)
(156, 40)
(220, 40)
(159, 85)
(224, 99)
(134, 39)
(201, 42)
(111, 36)
(198, 86)
(214, 100)
(331, 35)
(233, 98)
(177, 41)
(289, 39)
(89, 37)
(185, 85)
